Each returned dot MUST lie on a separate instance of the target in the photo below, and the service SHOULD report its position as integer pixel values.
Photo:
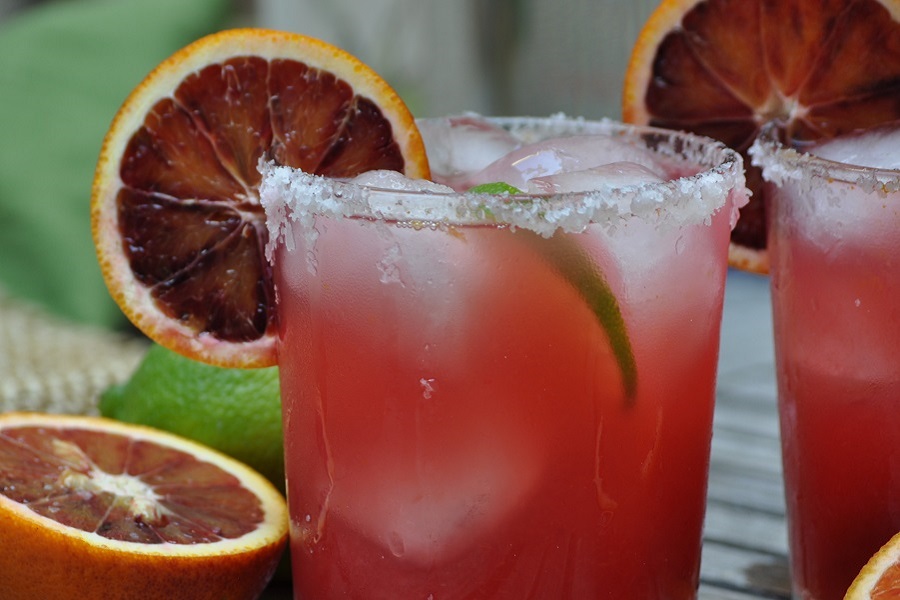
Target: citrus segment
(723, 68)
(177, 224)
(576, 267)
(880, 578)
(235, 411)
(99, 509)
(563, 254)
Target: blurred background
(67, 65)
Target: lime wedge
(576, 266)
(496, 187)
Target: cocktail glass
(502, 396)
(834, 242)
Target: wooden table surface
(745, 539)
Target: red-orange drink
(834, 241)
(462, 416)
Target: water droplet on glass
(427, 387)
(390, 271)
(395, 543)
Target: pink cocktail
(504, 396)
(835, 261)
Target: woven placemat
(48, 364)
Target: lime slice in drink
(496, 187)
(576, 266)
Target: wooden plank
(738, 415)
(748, 378)
(740, 527)
(713, 592)
(759, 574)
(738, 490)
(746, 454)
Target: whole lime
(236, 411)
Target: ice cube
(430, 518)
(393, 180)
(465, 144)
(562, 155)
(877, 148)
(613, 175)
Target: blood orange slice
(723, 68)
(880, 578)
(175, 212)
(92, 508)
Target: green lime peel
(576, 267)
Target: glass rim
(686, 199)
(780, 162)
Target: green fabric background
(65, 68)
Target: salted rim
(289, 195)
(780, 164)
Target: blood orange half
(96, 509)
(723, 68)
(880, 578)
(176, 219)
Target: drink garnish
(576, 266)
(175, 212)
(726, 69)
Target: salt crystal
(620, 179)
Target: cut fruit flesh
(880, 578)
(179, 231)
(128, 483)
(724, 68)
(95, 505)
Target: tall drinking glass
(834, 243)
(502, 396)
